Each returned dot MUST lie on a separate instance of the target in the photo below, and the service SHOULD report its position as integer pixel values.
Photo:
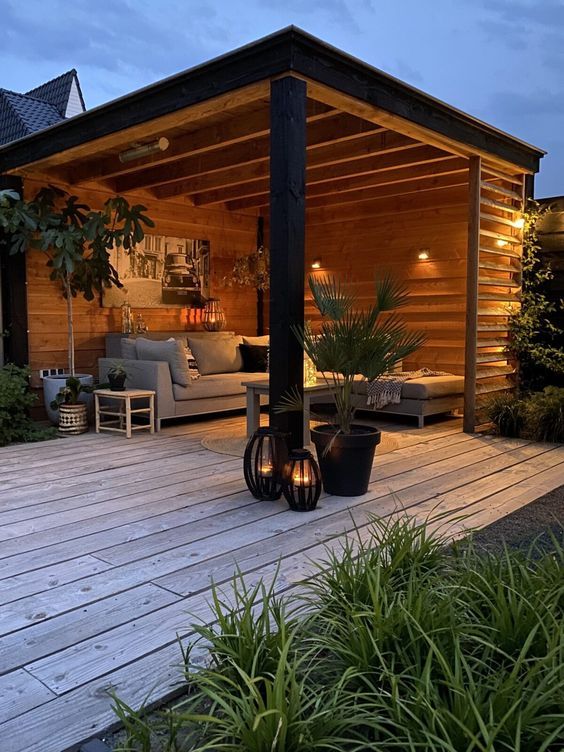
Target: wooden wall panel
(362, 247)
(230, 235)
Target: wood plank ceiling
(222, 160)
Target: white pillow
(262, 340)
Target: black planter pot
(346, 467)
(117, 381)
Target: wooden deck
(108, 548)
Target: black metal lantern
(302, 481)
(264, 461)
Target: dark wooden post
(13, 288)
(287, 243)
(472, 269)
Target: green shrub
(16, 399)
(398, 643)
(544, 413)
(507, 412)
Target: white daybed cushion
(427, 387)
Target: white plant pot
(51, 387)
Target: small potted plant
(117, 376)
(353, 345)
(73, 416)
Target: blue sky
(500, 60)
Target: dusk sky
(500, 60)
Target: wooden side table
(120, 418)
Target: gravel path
(534, 521)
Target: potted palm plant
(352, 345)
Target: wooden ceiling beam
(256, 92)
(428, 135)
(395, 150)
(418, 185)
(336, 136)
(260, 188)
(242, 126)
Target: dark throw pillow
(255, 358)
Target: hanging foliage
(251, 271)
(535, 340)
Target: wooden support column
(472, 259)
(13, 294)
(287, 246)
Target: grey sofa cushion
(215, 385)
(216, 354)
(128, 349)
(172, 352)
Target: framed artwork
(161, 272)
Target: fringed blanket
(386, 390)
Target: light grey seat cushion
(172, 352)
(217, 354)
(215, 385)
(427, 387)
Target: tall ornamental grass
(400, 642)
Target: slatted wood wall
(501, 247)
(230, 235)
(499, 239)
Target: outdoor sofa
(219, 387)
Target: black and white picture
(161, 271)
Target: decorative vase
(51, 387)
(117, 381)
(73, 419)
(346, 466)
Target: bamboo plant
(354, 344)
(76, 239)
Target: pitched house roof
(46, 105)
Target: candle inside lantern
(266, 464)
(301, 475)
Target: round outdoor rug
(234, 444)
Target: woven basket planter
(73, 419)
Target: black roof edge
(287, 50)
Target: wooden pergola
(343, 162)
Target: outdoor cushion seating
(212, 392)
(429, 395)
(222, 391)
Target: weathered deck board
(160, 517)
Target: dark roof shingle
(56, 91)
(46, 105)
